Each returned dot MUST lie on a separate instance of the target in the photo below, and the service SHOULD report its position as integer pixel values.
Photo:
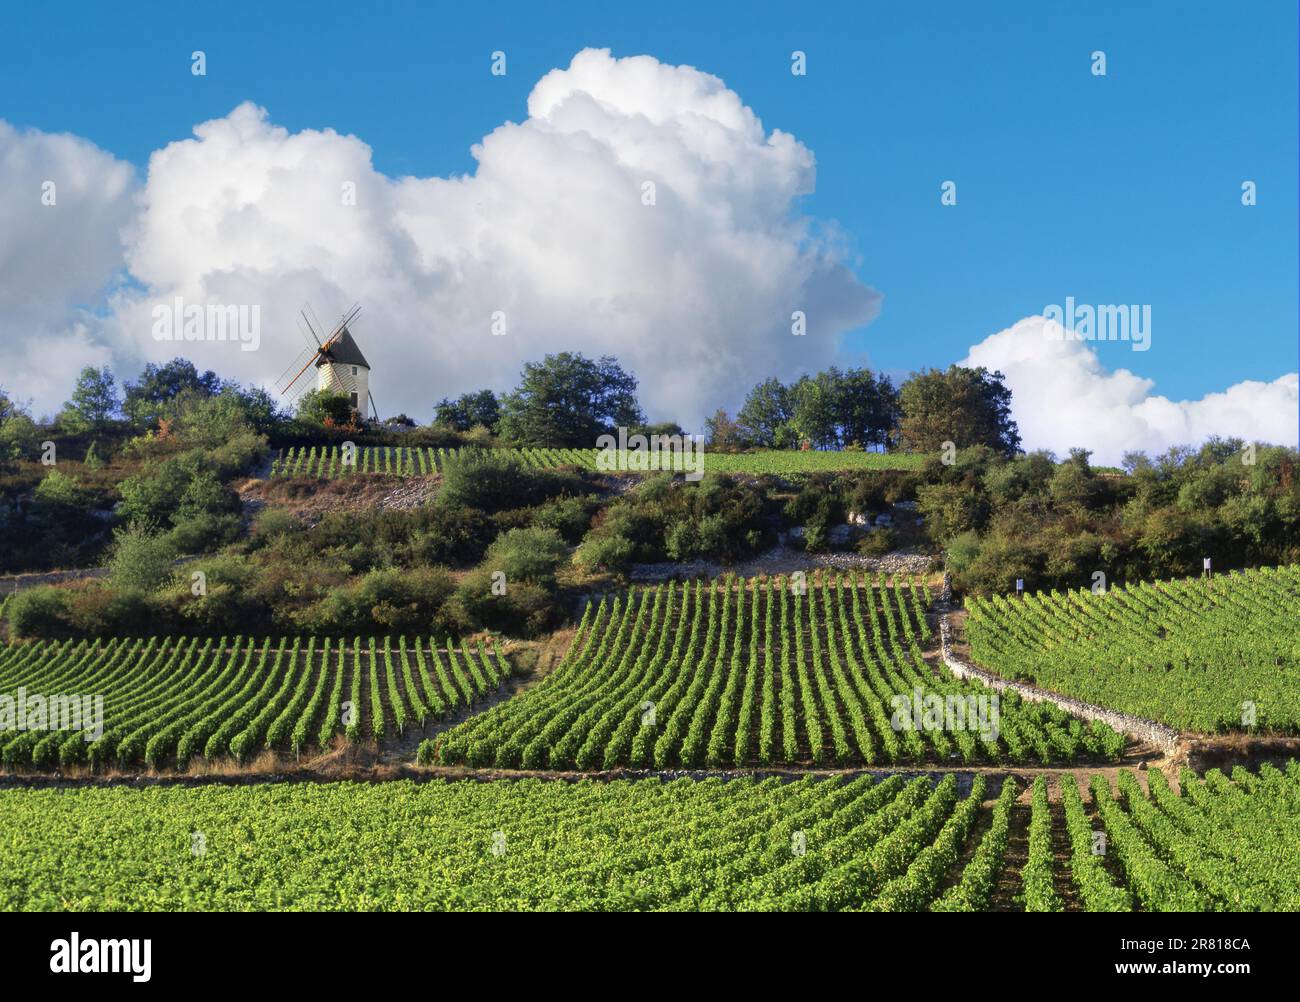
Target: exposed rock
(784, 560)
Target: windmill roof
(343, 350)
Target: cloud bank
(1061, 396)
(694, 293)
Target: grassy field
(1204, 654)
(897, 844)
(329, 461)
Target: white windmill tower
(340, 365)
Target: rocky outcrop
(784, 560)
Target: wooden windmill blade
(341, 326)
(307, 330)
(314, 352)
(297, 367)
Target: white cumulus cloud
(64, 206)
(694, 294)
(1062, 396)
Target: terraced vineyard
(1209, 655)
(729, 674)
(328, 461)
(816, 843)
(169, 701)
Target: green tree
(765, 416)
(724, 434)
(866, 408)
(964, 406)
(94, 401)
(468, 410)
(19, 436)
(150, 397)
(814, 416)
(568, 400)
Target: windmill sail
(321, 353)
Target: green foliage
(527, 555)
(568, 400)
(140, 559)
(1055, 524)
(963, 406)
(324, 408)
(717, 518)
(38, 612)
(495, 480)
(94, 401)
(150, 398)
(468, 411)
(400, 601)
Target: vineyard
(1203, 654)
(173, 700)
(736, 673)
(837, 843)
(329, 461)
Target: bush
(204, 532)
(39, 612)
(383, 601)
(491, 480)
(524, 609)
(877, 542)
(140, 559)
(570, 517)
(527, 555)
(609, 552)
(271, 523)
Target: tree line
(567, 400)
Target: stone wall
(12, 584)
(1153, 733)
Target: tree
(814, 409)
(468, 410)
(830, 410)
(260, 409)
(568, 400)
(964, 406)
(866, 408)
(19, 436)
(765, 416)
(723, 434)
(150, 397)
(94, 401)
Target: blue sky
(1121, 189)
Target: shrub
(527, 555)
(140, 559)
(610, 552)
(39, 612)
(492, 480)
(524, 609)
(383, 601)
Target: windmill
(340, 366)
